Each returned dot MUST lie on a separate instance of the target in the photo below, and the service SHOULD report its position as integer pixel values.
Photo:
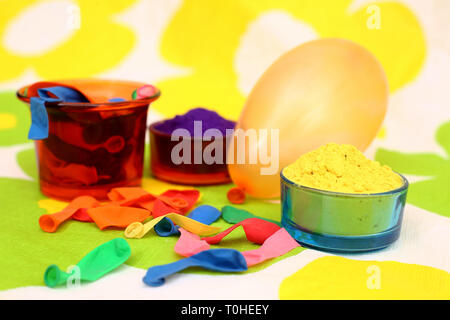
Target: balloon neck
(54, 276)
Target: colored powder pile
(342, 168)
(209, 120)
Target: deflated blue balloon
(222, 260)
(39, 117)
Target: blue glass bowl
(342, 222)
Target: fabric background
(211, 53)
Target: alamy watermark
(74, 17)
(374, 280)
(190, 150)
(374, 19)
(73, 281)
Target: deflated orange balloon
(327, 90)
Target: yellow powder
(342, 168)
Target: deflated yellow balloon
(327, 90)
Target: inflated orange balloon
(327, 90)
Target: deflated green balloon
(234, 215)
(94, 265)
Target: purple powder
(209, 120)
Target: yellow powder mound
(342, 168)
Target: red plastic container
(92, 147)
(164, 168)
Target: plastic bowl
(92, 147)
(342, 222)
(164, 168)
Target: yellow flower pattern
(338, 278)
(99, 44)
(204, 36)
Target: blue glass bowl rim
(399, 190)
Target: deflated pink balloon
(327, 90)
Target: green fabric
(13, 107)
(430, 192)
(94, 265)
